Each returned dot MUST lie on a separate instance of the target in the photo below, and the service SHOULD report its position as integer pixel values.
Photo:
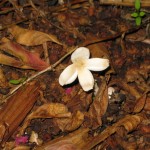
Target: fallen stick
(129, 3)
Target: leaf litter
(37, 39)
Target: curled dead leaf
(99, 106)
(51, 110)
(31, 37)
(29, 60)
(140, 103)
(129, 122)
(147, 104)
(73, 141)
(70, 124)
(6, 60)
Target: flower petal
(80, 53)
(97, 64)
(86, 79)
(68, 75)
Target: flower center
(80, 62)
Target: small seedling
(16, 82)
(138, 14)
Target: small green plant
(138, 14)
(16, 82)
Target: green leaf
(134, 14)
(137, 4)
(142, 13)
(138, 21)
(15, 82)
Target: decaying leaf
(13, 146)
(137, 76)
(21, 147)
(147, 104)
(31, 37)
(97, 49)
(7, 60)
(73, 141)
(99, 106)
(70, 21)
(129, 122)
(123, 85)
(140, 103)
(30, 60)
(51, 110)
(70, 124)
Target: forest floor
(37, 39)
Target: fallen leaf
(129, 122)
(51, 110)
(73, 141)
(147, 104)
(140, 103)
(31, 37)
(10, 61)
(127, 87)
(98, 107)
(31, 60)
(70, 124)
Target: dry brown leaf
(99, 106)
(31, 37)
(13, 146)
(129, 122)
(6, 60)
(70, 124)
(21, 147)
(147, 104)
(140, 103)
(134, 75)
(73, 141)
(28, 59)
(51, 110)
(98, 49)
(123, 85)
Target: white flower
(80, 68)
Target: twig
(43, 15)
(127, 3)
(37, 74)
(17, 22)
(12, 9)
(71, 50)
(17, 8)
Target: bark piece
(16, 108)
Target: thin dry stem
(39, 73)
(71, 50)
